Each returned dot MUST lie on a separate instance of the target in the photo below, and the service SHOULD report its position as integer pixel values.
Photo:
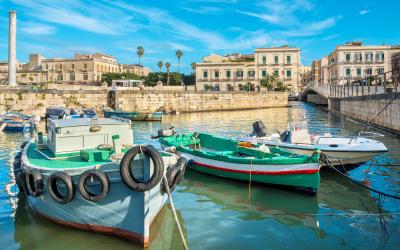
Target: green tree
(193, 64)
(108, 77)
(168, 66)
(160, 64)
(272, 82)
(140, 52)
(179, 54)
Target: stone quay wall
(191, 101)
(369, 109)
(35, 101)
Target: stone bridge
(315, 93)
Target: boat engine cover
(259, 129)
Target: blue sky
(59, 28)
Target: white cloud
(31, 28)
(204, 10)
(363, 12)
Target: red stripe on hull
(120, 233)
(305, 171)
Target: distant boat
(67, 113)
(135, 116)
(15, 122)
(243, 161)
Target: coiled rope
(325, 159)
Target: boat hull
(135, 116)
(295, 175)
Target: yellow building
(231, 72)
(82, 69)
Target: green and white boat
(244, 161)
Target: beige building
(355, 61)
(305, 75)
(83, 68)
(231, 72)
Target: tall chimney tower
(12, 60)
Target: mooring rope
(174, 213)
(325, 159)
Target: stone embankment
(36, 101)
(381, 110)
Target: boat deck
(72, 160)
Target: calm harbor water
(222, 214)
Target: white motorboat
(341, 151)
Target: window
(380, 71)
(72, 77)
(276, 72)
(368, 57)
(60, 66)
(358, 57)
(276, 59)
(288, 73)
(348, 72)
(251, 74)
(85, 66)
(60, 77)
(358, 71)
(368, 71)
(379, 57)
(85, 77)
(228, 74)
(347, 57)
(288, 59)
(205, 74)
(264, 60)
(46, 66)
(73, 66)
(239, 74)
(264, 73)
(216, 74)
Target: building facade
(232, 72)
(396, 67)
(354, 61)
(305, 76)
(81, 69)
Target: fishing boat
(342, 151)
(67, 113)
(244, 161)
(15, 122)
(86, 174)
(135, 116)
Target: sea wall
(191, 101)
(35, 101)
(382, 110)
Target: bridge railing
(386, 82)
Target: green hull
(307, 181)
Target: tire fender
(53, 190)
(84, 190)
(34, 182)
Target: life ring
(34, 182)
(175, 175)
(53, 189)
(20, 179)
(127, 175)
(84, 190)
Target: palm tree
(179, 54)
(167, 65)
(160, 64)
(193, 64)
(140, 52)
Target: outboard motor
(164, 133)
(286, 136)
(259, 129)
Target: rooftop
(86, 122)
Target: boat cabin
(68, 136)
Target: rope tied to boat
(324, 158)
(174, 212)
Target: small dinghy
(244, 161)
(135, 116)
(87, 175)
(341, 151)
(15, 122)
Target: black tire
(24, 144)
(128, 177)
(85, 192)
(34, 182)
(20, 179)
(259, 129)
(175, 175)
(17, 161)
(53, 191)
